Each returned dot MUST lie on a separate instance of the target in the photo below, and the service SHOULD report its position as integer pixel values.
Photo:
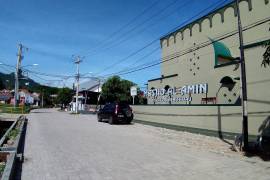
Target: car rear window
(109, 106)
(123, 106)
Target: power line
(223, 36)
(125, 36)
(188, 50)
(165, 59)
(65, 76)
(59, 56)
(127, 57)
(43, 79)
(50, 75)
(36, 73)
(115, 33)
(50, 82)
(157, 39)
(131, 69)
(143, 29)
(142, 58)
(149, 66)
(5, 69)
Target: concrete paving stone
(63, 146)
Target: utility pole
(243, 82)
(98, 93)
(16, 89)
(77, 61)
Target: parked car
(264, 144)
(115, 112)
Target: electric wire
(50, 75)
(69, 76)
(152, 65)
(5, 69)
(115, 43)
(142, 58)
(129, 35)
(162, 60)
(216, 5)
(150, 25)
(189, 50)
(116, 33)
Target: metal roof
(91, 85)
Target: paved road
(63, 146)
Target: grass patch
(13, 134)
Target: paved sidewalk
(63, 146)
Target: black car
(115, 112)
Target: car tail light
(116, 109)
(130, 108)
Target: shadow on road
(40, 112)
(19, 162)
(261, 147)
(118, 123)
(256, 152)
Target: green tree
(266, 55)
(140, 98)
(46, 92)
(64, 96)
(116, 89)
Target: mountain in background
(26, 83)
(8, 80)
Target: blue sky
(55, 30)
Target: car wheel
(99, 118)
(128, 121)
(111, 120)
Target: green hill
(8, 81)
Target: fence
(7, 108)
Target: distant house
(81, 103)
(89, 93)
(36, 97)
(26, 97)
(91, 90)
(5, 96)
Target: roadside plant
(2, 168)
(13, 134)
